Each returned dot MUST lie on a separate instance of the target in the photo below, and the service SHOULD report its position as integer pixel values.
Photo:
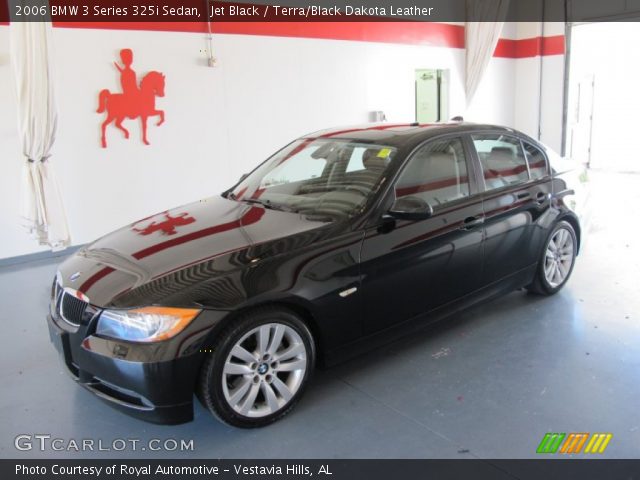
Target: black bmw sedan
(341, 241)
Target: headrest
(440, 164)
(507, 150)
(441, 157)
(372, 161)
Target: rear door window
(502, 159)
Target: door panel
(422, 264)
(512, 205)
(419, 266)
(513, 237)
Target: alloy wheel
(264, 370)
(559, 257)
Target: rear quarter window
(537, 160)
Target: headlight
(148, 324)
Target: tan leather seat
(436, 177)
(503, 167)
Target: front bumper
(153, 382)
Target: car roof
(402, 134)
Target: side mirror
(411, 208)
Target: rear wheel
(556, 264)
(258, 369)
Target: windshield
(317, 176)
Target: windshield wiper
(268, 204)
(229, 195)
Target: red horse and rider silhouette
(134, 101)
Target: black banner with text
(84, 11)
(329, 469)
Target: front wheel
(258, 369)
(557, 261)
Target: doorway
(580, 121)
(604, 99)
(432, 95)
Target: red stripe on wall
(412, 33)
(506, 48)
(530, 47)
(190, 27)
(409, 33)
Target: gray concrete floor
(486, 384)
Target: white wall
(493, 102)
(526, 103)
(539, 108)
(552, 92)
(220, 122)
(552, 101)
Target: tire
(245, 391)
(548, 279)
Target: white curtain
(481, 38)
(42, 211)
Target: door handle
(523, 195)
(542, 197)
(471, 222)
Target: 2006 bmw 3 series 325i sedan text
(342, 240)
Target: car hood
(114, 270)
